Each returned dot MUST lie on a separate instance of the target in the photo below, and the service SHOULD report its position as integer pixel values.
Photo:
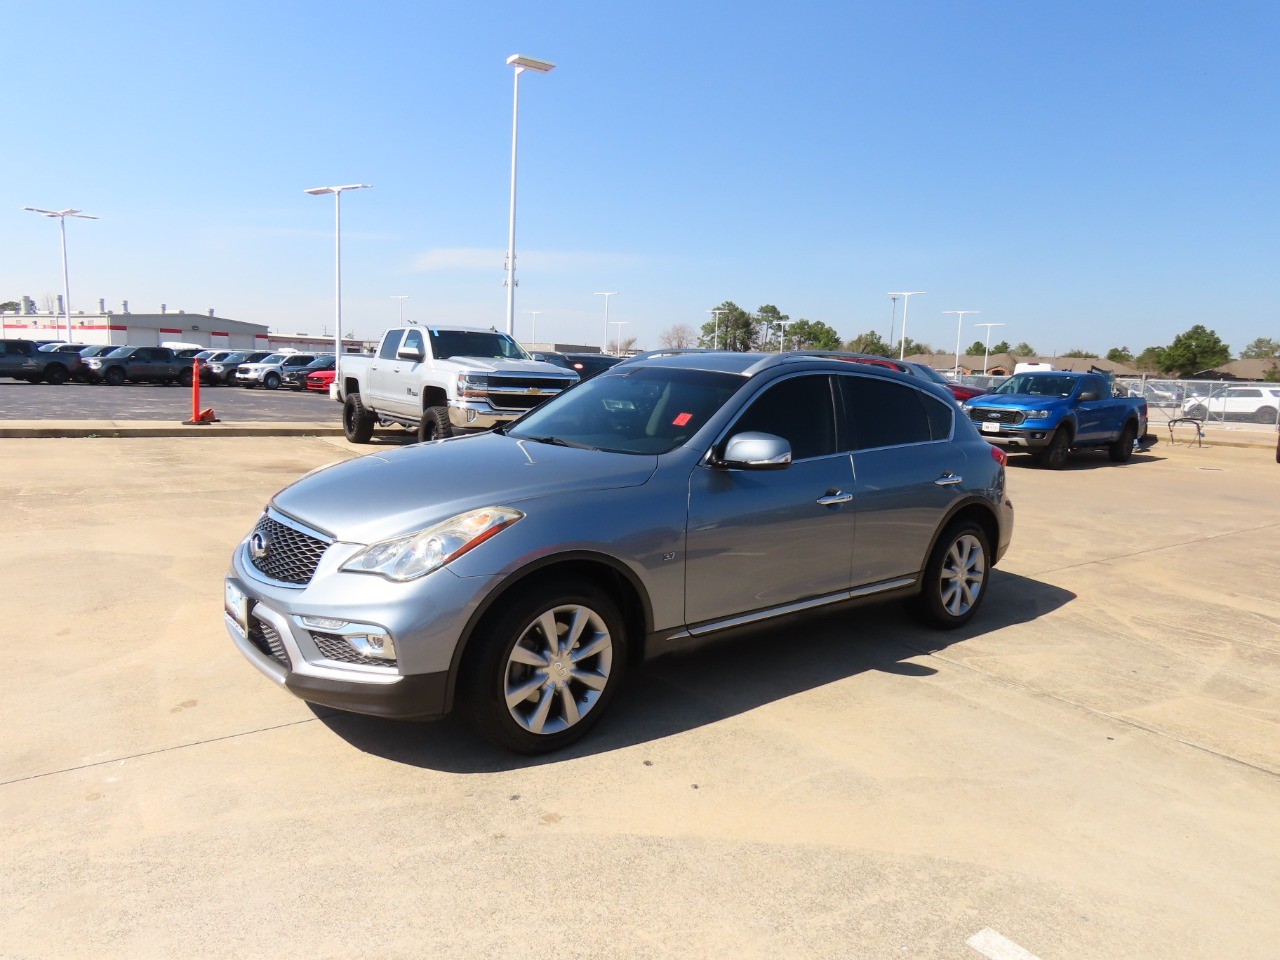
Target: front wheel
(114, 376)
(357, 422)
(434, 424)
(955, 578)
(1054, 456)
(1122, 449)
(271, 381)
(546, 667)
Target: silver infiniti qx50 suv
(516, 574)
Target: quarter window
(800, 410)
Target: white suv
(269, 371)
(1256, 402)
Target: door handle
(834, 498)
(948, 480)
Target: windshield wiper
(559, 442)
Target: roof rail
(795, 356)
(666, 352)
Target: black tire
(1054, 455)
(434, 424)
(1198, 412)
(1122, 449)
(1261, 415)
(569, 693)
(184, 378)
(271, 381)
(956, 576)
(357, 422)
(114, 376)
(56, 374)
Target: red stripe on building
(220, 333)
(170, 329)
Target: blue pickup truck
(1051, 412)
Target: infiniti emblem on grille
(259, 545)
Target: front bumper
(479, 414)
(1018, 438)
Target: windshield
(274, 358)
(474, 343)
(929, 373)
(120, 352)
(234, 357)
(321, 363)
(644, 410)
(1037, 385)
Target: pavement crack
(1158, 549)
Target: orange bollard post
(199, 418)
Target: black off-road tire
(434, 424)
(493, 669)
(1122, 449)
(956, 578)
(56, 374)
(1054, 455)
(357, 422)
(114, 376)
(184, 378)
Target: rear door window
(881, 413)
(390, 344)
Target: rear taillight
(998, 455)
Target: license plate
(991, 428)
(237, 605)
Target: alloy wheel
(964, 572)
(558, 669)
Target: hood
(523, 368)
(1019, 401)
(385, 495)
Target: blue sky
(1089, 174)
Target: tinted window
(414, 339)
(880, 413)
(390, 343)
(474, 343)
(800, 410)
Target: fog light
(323, 623)
(375, 645)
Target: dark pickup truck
(152, 364)
(24, 360)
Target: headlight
(216, 367)
(967, 407)
(1037, 414)
(415, 555)
(470, 385)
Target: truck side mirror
(1086, 395)
(413, 353)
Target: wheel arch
(977, 510)
(611, 575)
(434, 397)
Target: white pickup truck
(442, 381)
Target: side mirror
(1086, 395)
(410, 353)
(756, 451)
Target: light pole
(533, 334)
(337, 269)
(959, 324)
(715, 337)
(782, 334)
(893, 316)
(604, 346)
(402, 298)
(987, 352)
(66, 284)
(521, 64)
(618, 341)
(906, 299)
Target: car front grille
(996, 415)
(513, 393)
(264, 636)
(333, 647)
(288, 555)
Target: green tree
(812, 335)
(1001, 347)
(871, 343)
(767, 330)
(1022, 350)
(976, 349)
(10, 306)
(1120, 355)
(1149, 360)
(911, 347)
(1193, 351)
(1264, 348)
(737, 329)
(1081, 354)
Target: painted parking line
(990, 944)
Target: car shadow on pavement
(1084, 460)
(724, 678)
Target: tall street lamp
(604, 346)
(782, 334)
(906, 299)
(715, 337)
(521, 64)
(618, 342)
(66, 284)
(402, 297)
(533, 333)
(959, 324)
(337, 269)
(987, 352)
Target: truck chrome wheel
(964, 573)
(558, 669)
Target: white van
(1031, 367)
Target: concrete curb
(111, 429)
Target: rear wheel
(184, 378)
(546, 667)
(1122, 449)
(434, 424)
(357, 422)
(56, 374)
(1198, 412)
(1261, 415)
(955, 578)
(114, 376)
(1054, 456)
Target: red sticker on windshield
(681, 420)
